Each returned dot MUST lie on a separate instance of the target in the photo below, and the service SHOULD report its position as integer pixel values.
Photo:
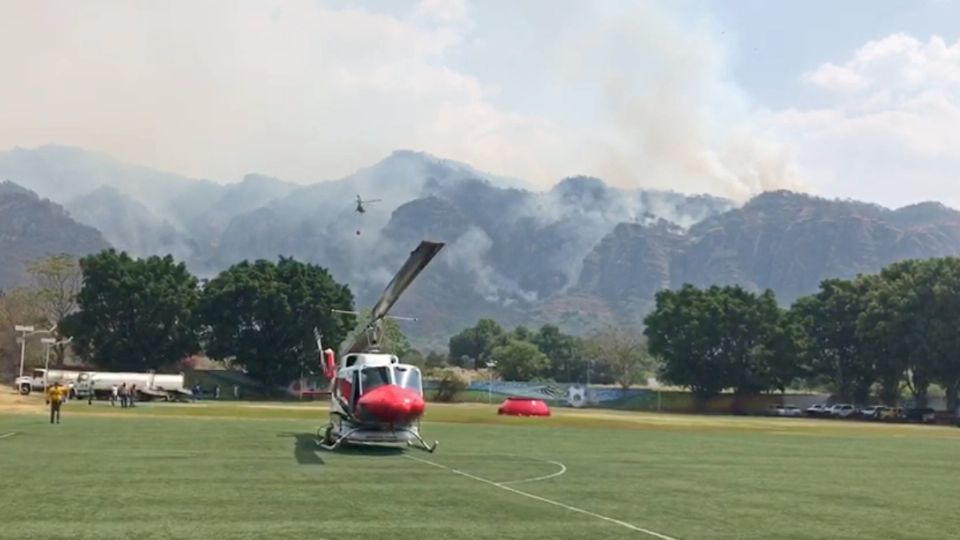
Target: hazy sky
(853, 99)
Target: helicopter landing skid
(325, 442)
(423, 444)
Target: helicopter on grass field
(374, 398)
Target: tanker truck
(81, 383)
(149, 385)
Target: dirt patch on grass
(11, 401)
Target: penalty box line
(544, 499)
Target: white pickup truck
(39, 378)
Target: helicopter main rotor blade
(418, 260)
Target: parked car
(791, 410)
(925, 415)
(873, 412)
(842, 410)
(819, 409)
(892, 414)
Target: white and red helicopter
(373, 397)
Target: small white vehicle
(842, 410)
(791, 410)
(818, 409)
(873, 412)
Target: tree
(262, 314)
(835, 350)
(435, 360)
(722, 337)
(878, 336)
(18, 306)
(134, 314)
(914, 314)
(394, 339)
(474, 343)
(57, 279)
(896, 318)
(414, 357)
(624, 353)
(449, 385)
(519, 361)
(944, 325)
(684, 331)
(565, 352)
(522, 333)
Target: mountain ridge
(579, 254)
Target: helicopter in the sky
(360, 202)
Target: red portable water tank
(521, 406)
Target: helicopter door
(354, 389)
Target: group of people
(58, 394)
(126, 395)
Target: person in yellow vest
(55, 397)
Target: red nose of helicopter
(391, 404)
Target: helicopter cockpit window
(373, 377)
(408, 378)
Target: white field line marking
(5, 435)
(563, 469)
(545, 500)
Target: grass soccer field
(249, 471)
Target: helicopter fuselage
(375, 398)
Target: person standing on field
(55, 397)
(113, 395)
(123, 395)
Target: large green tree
(914, 315)
(897, 319)
(835, 351)
(519, 360)
(472, 345)
(944, 327)
(262, 315)
(566, 353)
(134, 314)
(722, 337)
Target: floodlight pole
(490, 366)
(46, 363)
(47, 344)
(24, 332)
